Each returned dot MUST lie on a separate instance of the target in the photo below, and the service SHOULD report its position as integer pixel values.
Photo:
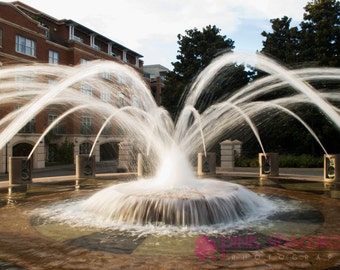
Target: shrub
(65, 153)
(285, 161)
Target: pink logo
(205, 248)
(217, 248)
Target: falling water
(173, 195)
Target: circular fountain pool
(143, 208)
(203, 203)
(36, 233)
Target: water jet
(168, 148)
(269, 164)
(331, 168)
(168, 210)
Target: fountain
(170, 199)
(172, 195)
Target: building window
(22, 79)
(135, 102)
(106, 75)
(25, 46)
(83, 61)
(53, 57)
(121, 99)
(121, 80)
(51, 117)
(86, 90)
(86, 124)
(29, 127)
(107, 129)
(105, 95)
(52, 81)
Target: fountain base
(204, 202)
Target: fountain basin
(204, 202)
(31, 241)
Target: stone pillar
(227, 155)
(4, 159)
(206, 165)
(331, 169)
(85, 166)
(228, 151)
(237, 147)
(269, 164)
(40, 155)
(20, 170)
(96, 151)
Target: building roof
(28, 9)
(155, 70)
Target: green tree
(283, 43)
(320, 32)
(196, 51)
(314, 43)
(65, 153)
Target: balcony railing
(79, 39)
(96, 47)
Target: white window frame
(86, 122)
(50, 118)
(105, 95)
(53, 57)
(22, 79)
(25, 46)
(86, 90)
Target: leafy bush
(302, 161)
(64, 153)
(285, 161)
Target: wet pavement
(28, 243)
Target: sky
(150, 27)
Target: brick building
(29, 36)
(156, 75)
